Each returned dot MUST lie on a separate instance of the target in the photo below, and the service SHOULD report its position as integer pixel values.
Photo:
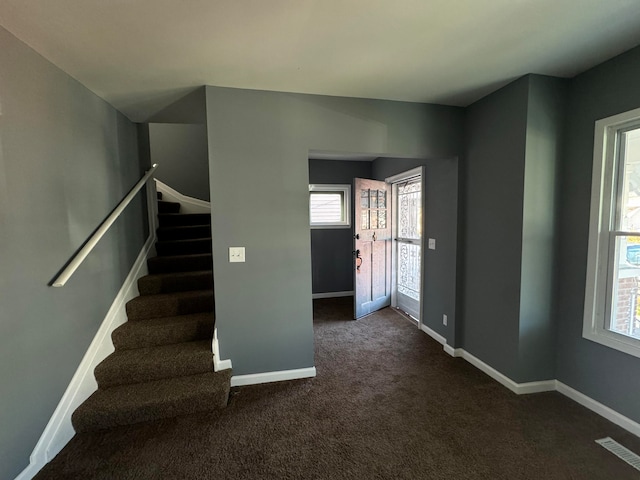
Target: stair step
(180, 263)
(182, 219)
(175, 282)
(168, 207)
(143, 402)
(154, 332)
(184, 247)
(183, 233)
(154, 363)
(169, 304)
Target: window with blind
(329, 206)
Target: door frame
(393, 181)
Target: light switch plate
(432, 243)
(236, 254)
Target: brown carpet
(387, 403)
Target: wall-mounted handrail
(79, 257)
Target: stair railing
(78, 258)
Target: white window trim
(346, 204)
(602, 184)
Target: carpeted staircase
(163, 363)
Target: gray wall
(513, 151)
(259, 144)
(440, 222)
(66, 159)
(493, 168)
(608, 376)
(331, 257)
(180, 150)
(545, 124)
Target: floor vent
(620, 451)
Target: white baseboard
(433, 334)
(548, 386)
(268, 377)
(600, 409)
(333, 294)
(454, 352)
(518, 388)
(59, 430)
(187, 204)
(215, 347)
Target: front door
(372, 247)
(407, 196)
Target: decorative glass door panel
(409, 246)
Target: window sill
(320, 227)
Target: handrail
(79, 257)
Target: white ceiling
(141, 54)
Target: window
(329, 206)
(612, 300)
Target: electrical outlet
(444, 320)
(236, 254)
(432, 244)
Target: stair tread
(164, 296)
(184, 240)
(187, 246)
(168, 207)
(193, 273)
(154, 363)
(157, 331)
(151, 332)
(140, 402)
(180, 263)
(186, 231)
(170, 304)
(192, 215)
(157, 283)
(184, 227)
(153, 354)
(180, 257)
(179, 219)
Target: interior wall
(66, 159)
(264, 138)
(543, 155)
(181, 152)
(440, 223)
(331, 257)
(493, 168)
(514, 139)
(604, 374)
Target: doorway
(407, 191)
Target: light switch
(236, 254)
(432, 244)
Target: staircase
(163, 363)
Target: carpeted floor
(387, 403)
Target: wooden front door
(372, 246)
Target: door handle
(358, 259)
